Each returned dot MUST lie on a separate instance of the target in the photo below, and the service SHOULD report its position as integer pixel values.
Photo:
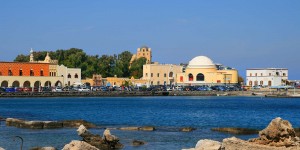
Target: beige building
(161, 74)
(115, 81)
(202, 71)
(145, 52)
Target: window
(42, 72)
(146, 75)
(250, 83)
(151, 74)
(200, 77)
(69, 76)
(284, 74)
(76, 75)
(261, 82)
(250, 74)
(171, 74)
(157, 74)
(158, 83)
(255, 74)
(181, 78)
(165, 75)
(261, 74)
(31, 72)
(10, 73)
(151, 82)
(191, 77)
(270, 74)
(269, 83)
(256, 83)
(20, 72)
(277, 73)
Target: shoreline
(251, 93)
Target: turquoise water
(167, 114)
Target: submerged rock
(137, 143)
(187, 129)
(147, 128)
(77, 123)
(236, 130)
(47, 124)
(2, 148)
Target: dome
(201, 62)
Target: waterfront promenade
(261, 93)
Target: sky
(238, 33)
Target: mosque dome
(201, 62)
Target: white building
(71, 75)
(266, 76)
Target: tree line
(106, 65)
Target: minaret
(31, 55)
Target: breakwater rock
(278, 135)
(47, 124)
(43, 148)
(93, 141)
(145, 128)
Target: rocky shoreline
(278, 135)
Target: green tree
(124, 62)
(22, 58)
(136, 68)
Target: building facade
(44, 73)
(161, 74)
(202, 71)
(145, 52)
(266, 76)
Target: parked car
(10, 89)
(57, 89)
(27, 89)
(83, 89)
(19, 89)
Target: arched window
(261, 83)
(250, 83)
(191, 77)
(181, 78)
(76, 75)
(20, 72)
(42, 73)
(31, 72)
(69, 76)
(256, 83)
(200, 77)
(171, 74)
(269, 83)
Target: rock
(187, 129)
(208, 145)
(129, 128)
(137, 143)
(238, 144)
(33, 124)
(147, 128)
(240, 131)
(297, 131)
(77, 123)
(52, 124)
(14, 122)
(79, 145)
(43, 148)
(2, 148)
(278, 133)
(108, 141)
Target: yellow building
(145, 52)
(115, 81)
(161, 74)
(201, 70)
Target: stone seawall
(146, 93)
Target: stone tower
(143, 51)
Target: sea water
(167, 114)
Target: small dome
(201, 62)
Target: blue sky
(238, 33)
